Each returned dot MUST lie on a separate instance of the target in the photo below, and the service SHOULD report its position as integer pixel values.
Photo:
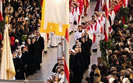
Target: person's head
(37, 34)
(113, 68)
(61, 66)
(75, 5)
(14, 54)
(80, 28)
(83, 39)
(93, 67)
(86, 31)
(33, 40)
(19, 52)
(62, 71)
(59, 61)
(28, 41)
(58, 69)
(76, 42)
(93, 21)
(23, 49)
(77, 50)
(56, 79)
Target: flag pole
(107, 19)
(66, 57)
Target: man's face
(38, 34)
(33, 40)
(80, 28)
(76, 50)
(19, 52)
(59, 61)
(62, 72)
(83, 40)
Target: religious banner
(7, 66)
(55, 16)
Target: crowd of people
(89, 34)
(119, 57)
(58, 72)
(23, 18)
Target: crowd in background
(23, 18)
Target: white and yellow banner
(7, 68)
(55, 16)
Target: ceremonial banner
(55, 16)
(7, 65)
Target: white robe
(97, 33)
(103, 26)
(53, 39)
(71, 21)
(112, 15)
(61, 77)
(90, 32)
(44, 35)
(75, 17)
(78, 34)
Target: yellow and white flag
(7, 71)
(55, 16)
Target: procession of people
(28, 45)
(88, 36)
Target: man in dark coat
(26, 60)
(30, 63)
(86, 50)
(36, 54)
(40, 40)
(79, 68)
(72, 65)
(19, 66)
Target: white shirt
(61, 77)
(78, 35)
(19, 56)
(125, 80)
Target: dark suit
(79, 68)
(36, 48)
(41, 42)
(86, 51)
(19, 67)
(26, 62)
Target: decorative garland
(124, 12)
(105, 45)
